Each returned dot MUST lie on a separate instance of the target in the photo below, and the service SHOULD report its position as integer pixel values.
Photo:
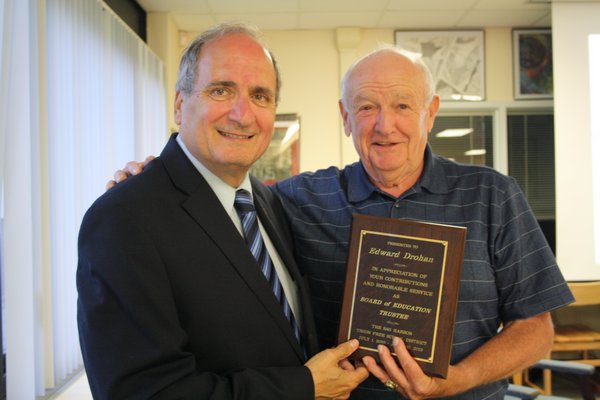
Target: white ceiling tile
(333, 20)
(510, 5)
(419, 20)
(544, 22)
(500, 18)
(252, 6)
(193, 22)
(341, 5)
(186, 6)
(328, 14)
(264, 21)
(432, 5)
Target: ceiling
(197, 15)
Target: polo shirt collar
(433, 179)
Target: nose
(384, 123)
(241, 111)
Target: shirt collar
(433, 179)
(224, 192)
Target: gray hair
(415, 58)
(189, 60)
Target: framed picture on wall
(532, 63)
(282, 158)
(455, 58)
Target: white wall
(576, 239)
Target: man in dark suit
(172, 303)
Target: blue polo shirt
(508, 273)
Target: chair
(583, 371)
(579, 338)
(576, 339)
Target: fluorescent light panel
(450, 133)
(475, 152)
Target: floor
(79, 389)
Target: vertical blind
(101, 101)
(531, 159)
(106, 105)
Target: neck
(396, 184)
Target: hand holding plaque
(402, 280)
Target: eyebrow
(253, 89)
(221, 83)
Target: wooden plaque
(403, 279)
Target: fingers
(110, 184)
(391, 366)
(148, 159)
(346, 365)
(344, 350)
(134, 167)
(375, 369)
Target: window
(531, 159)
(464, 139)
(522, 140)
(531, 163)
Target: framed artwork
(282, 158)
(532, 63)
(455, 58)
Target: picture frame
(455, 58)
(532, 64)
(282, 158)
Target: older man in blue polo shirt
(509, 276)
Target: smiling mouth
(385, 144)
(234, 136)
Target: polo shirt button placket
(396, 210)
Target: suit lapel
(204, 207)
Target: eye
(262, 99)
(219, 93)
(363, 108)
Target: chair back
(586, 293)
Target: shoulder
(313, 181)
(469, 176)
(136, 195)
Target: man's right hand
(130, 169)
(333, 375)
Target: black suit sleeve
(132, 339)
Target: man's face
(387, 116)
(227, 120)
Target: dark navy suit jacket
(171, 302)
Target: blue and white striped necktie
(247, 213)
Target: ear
(432, 110)
(177, 109)
(345, 118)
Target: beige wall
(311, 64)
(163, 39)
(308, 62)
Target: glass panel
(282, 157)
(464, 139)
(531, 163)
